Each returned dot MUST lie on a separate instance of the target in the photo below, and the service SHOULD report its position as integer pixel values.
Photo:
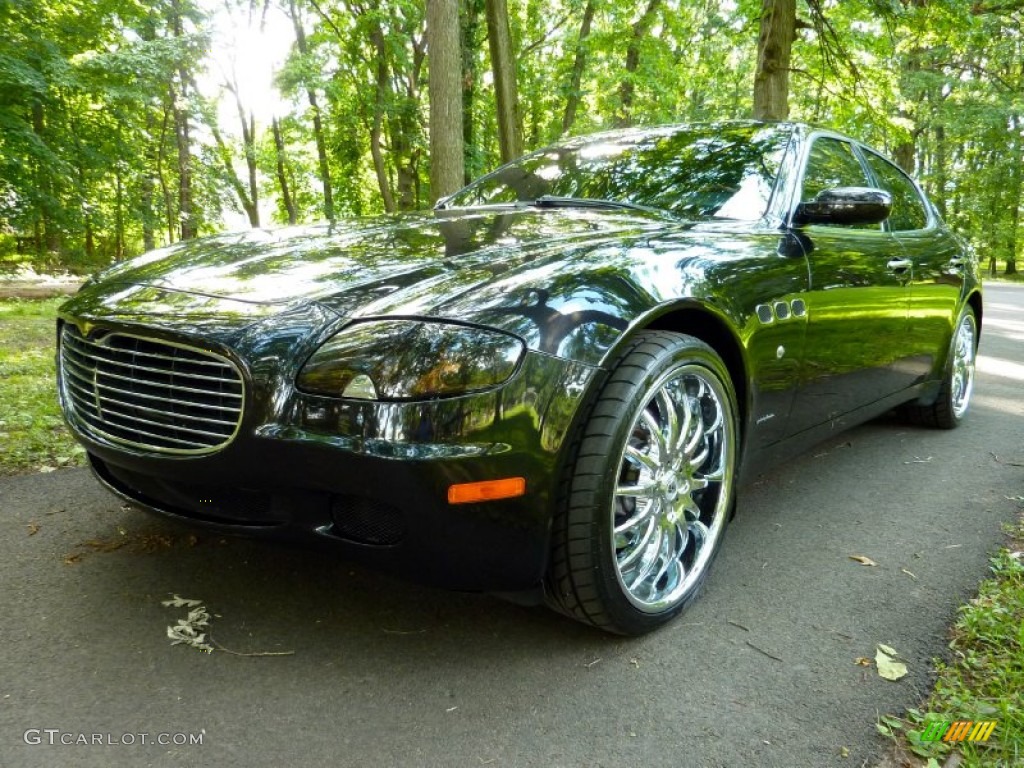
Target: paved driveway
(760, 672)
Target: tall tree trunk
(119, 214)
(939, 195)
(445, 92)
(248, 204)
(318, 126)
(148, 185)
(506, 89)
(774, 48)
(164, 187)
(572, 99)
(186, 225)
(47, 235)
(282, 173)
(404, 126)
(627, 88)
(186, 217)
(1015, 183)
(148, 235)
(248, 123)
(382, 85)
(90, 236)
(470, 27)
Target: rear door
(937, 268)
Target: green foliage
(90, 93)
(32, 431)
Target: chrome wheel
(649, 487)
(963, 352)
(673, 487)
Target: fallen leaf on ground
(180, 602)
(72, 559)
(863, 560)
(862, 661)
(888, 666)
(909, 574)
(919, 460)
(33, 529)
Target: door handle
(899, 265)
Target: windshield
(692, 172)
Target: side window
(908, 209)
(832, 163)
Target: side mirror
(845, 205)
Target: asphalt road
(760, 672)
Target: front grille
(149, 394)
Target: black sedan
(551, 385)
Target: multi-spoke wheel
(954, 398)
(649, 494)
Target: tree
(573, 93)
(445, 90)
(506, 91)
(314, 105)
(774, 50)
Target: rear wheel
(647, 499)
(954, 396)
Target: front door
(857, 305)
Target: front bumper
(370, 479)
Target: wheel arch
(704, 323)
(975, 303)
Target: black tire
(641, 516)
(954, 398)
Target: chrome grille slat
(217, 363)
(108, 414)
(139, 432)
(162, 371)
(192, 404)
(105, 402)
(177, 388)
(150, 394)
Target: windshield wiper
(553, 201)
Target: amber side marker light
(486, 490)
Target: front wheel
(647, 499)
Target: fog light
(486, 490)
(361, 387)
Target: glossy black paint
(845, 205)
(820, 326)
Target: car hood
(361, 267)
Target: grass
(984, 680)
(32, 432)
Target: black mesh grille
(149, 394)
(366, 521)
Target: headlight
(410, 360)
